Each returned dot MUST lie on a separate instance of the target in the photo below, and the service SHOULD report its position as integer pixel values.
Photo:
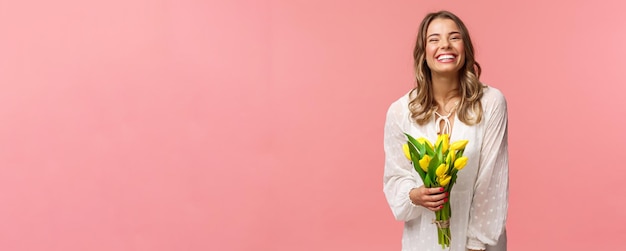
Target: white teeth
(442, 57)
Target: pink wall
(257, 125)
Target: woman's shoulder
(401, 102)
(400, 107)
(493, 97)
(493, 101)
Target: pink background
(257, 125)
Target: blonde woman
(449, 98)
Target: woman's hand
(431, 198)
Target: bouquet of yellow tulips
(438, 166)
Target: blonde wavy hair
(422, 104)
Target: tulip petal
(459, 145)
(424, 162)
(444, 181)
(460, 162)
(407, 153)
(441, 170)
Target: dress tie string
(447, 126)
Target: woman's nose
(444, 43)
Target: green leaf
(422, 149)
(437, 155)
(432, 168)
(415, 155)
(459, 153)
(411, 139)
(415, 160)
(452, 181)
(429, 150)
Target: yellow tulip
(444, 141)
(451, 156)
(424, 162)
(441, 170)
(458, 145)
(423, 140)
(460, 162)
(405, 149)
(444, 181)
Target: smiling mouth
(446, 58)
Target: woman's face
(445, 51)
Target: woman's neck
(445, 88)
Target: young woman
(449, 98)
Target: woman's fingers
(430, 198)
(438, 197)
(436, 200)
(435, 190)
(435, 204)
(434, 194)
(435, 209)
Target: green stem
(443, 234)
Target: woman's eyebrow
(449, 33)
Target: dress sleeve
(398, 178)
(488, 211)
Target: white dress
(479, 199)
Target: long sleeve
(398, 177)
(488, 211)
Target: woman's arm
(398, 178)
(488, 210)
